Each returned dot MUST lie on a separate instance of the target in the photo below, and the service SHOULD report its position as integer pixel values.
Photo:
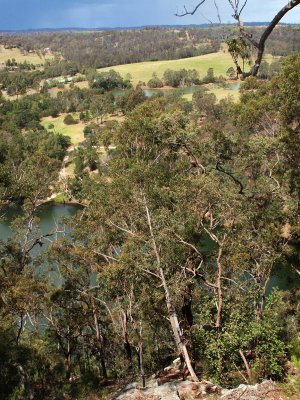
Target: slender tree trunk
(219, 285)
(127, 345)
(140, 354)
(247, 366)
(99, 339)
(20, 328)
(179, 339)
(68, 366)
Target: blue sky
(24, 14)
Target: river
(181, 90)
(49, 215)
(283, 277)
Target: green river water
(283, 278)
(180, 91)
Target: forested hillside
(106, 48)
(145, 219)
(190, 214)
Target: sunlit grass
(75, 132)
(143, 71)
(31, 58)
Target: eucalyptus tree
(185, 207)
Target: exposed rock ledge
(186, 390)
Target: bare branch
(122, 229)
(105, 256)
(189, 245)
(221, 169)
(186, 12)
(261, 45)
(150, 273)
(238, 7)
(218, 12)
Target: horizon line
(70, 28)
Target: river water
(283, 277)
(49, 215)
(180, 91)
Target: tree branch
(221, 169)
(186, 12)
(259, 45)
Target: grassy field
(32, 58)
(220, 61)
(75, 132)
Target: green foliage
(205, 195)
(155, 82)
(210, 77)
(182, 77)
(130, 100)
(106, 81)
(69, 120)
(258, 339)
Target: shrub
(155, 82)
(69, 120)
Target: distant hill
(79, 29)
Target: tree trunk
(127, 345)
(179, 340)
(68, 366)
(140, 354)
(99, 340)
(264, 37)
(247, 366)
(219, 285)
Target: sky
(35, 14)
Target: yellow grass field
(220, 61)
(32, 58)
(75, 132)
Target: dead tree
(259, 45)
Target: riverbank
(62, 199)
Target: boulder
(266, 390)
(189, 391)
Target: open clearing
(75, 132)
(31, 58)
(142, 72)
(220, 61)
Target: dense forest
(106, 48)
(185, 240)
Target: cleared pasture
(15, 53)
(220, 61)
(75, 132)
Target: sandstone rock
(176, 363)
(189, 391)
(168, 391)
(266, 390)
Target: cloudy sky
(24, 14)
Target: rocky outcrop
(187, 390)
(175, 390)
(266, 390)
